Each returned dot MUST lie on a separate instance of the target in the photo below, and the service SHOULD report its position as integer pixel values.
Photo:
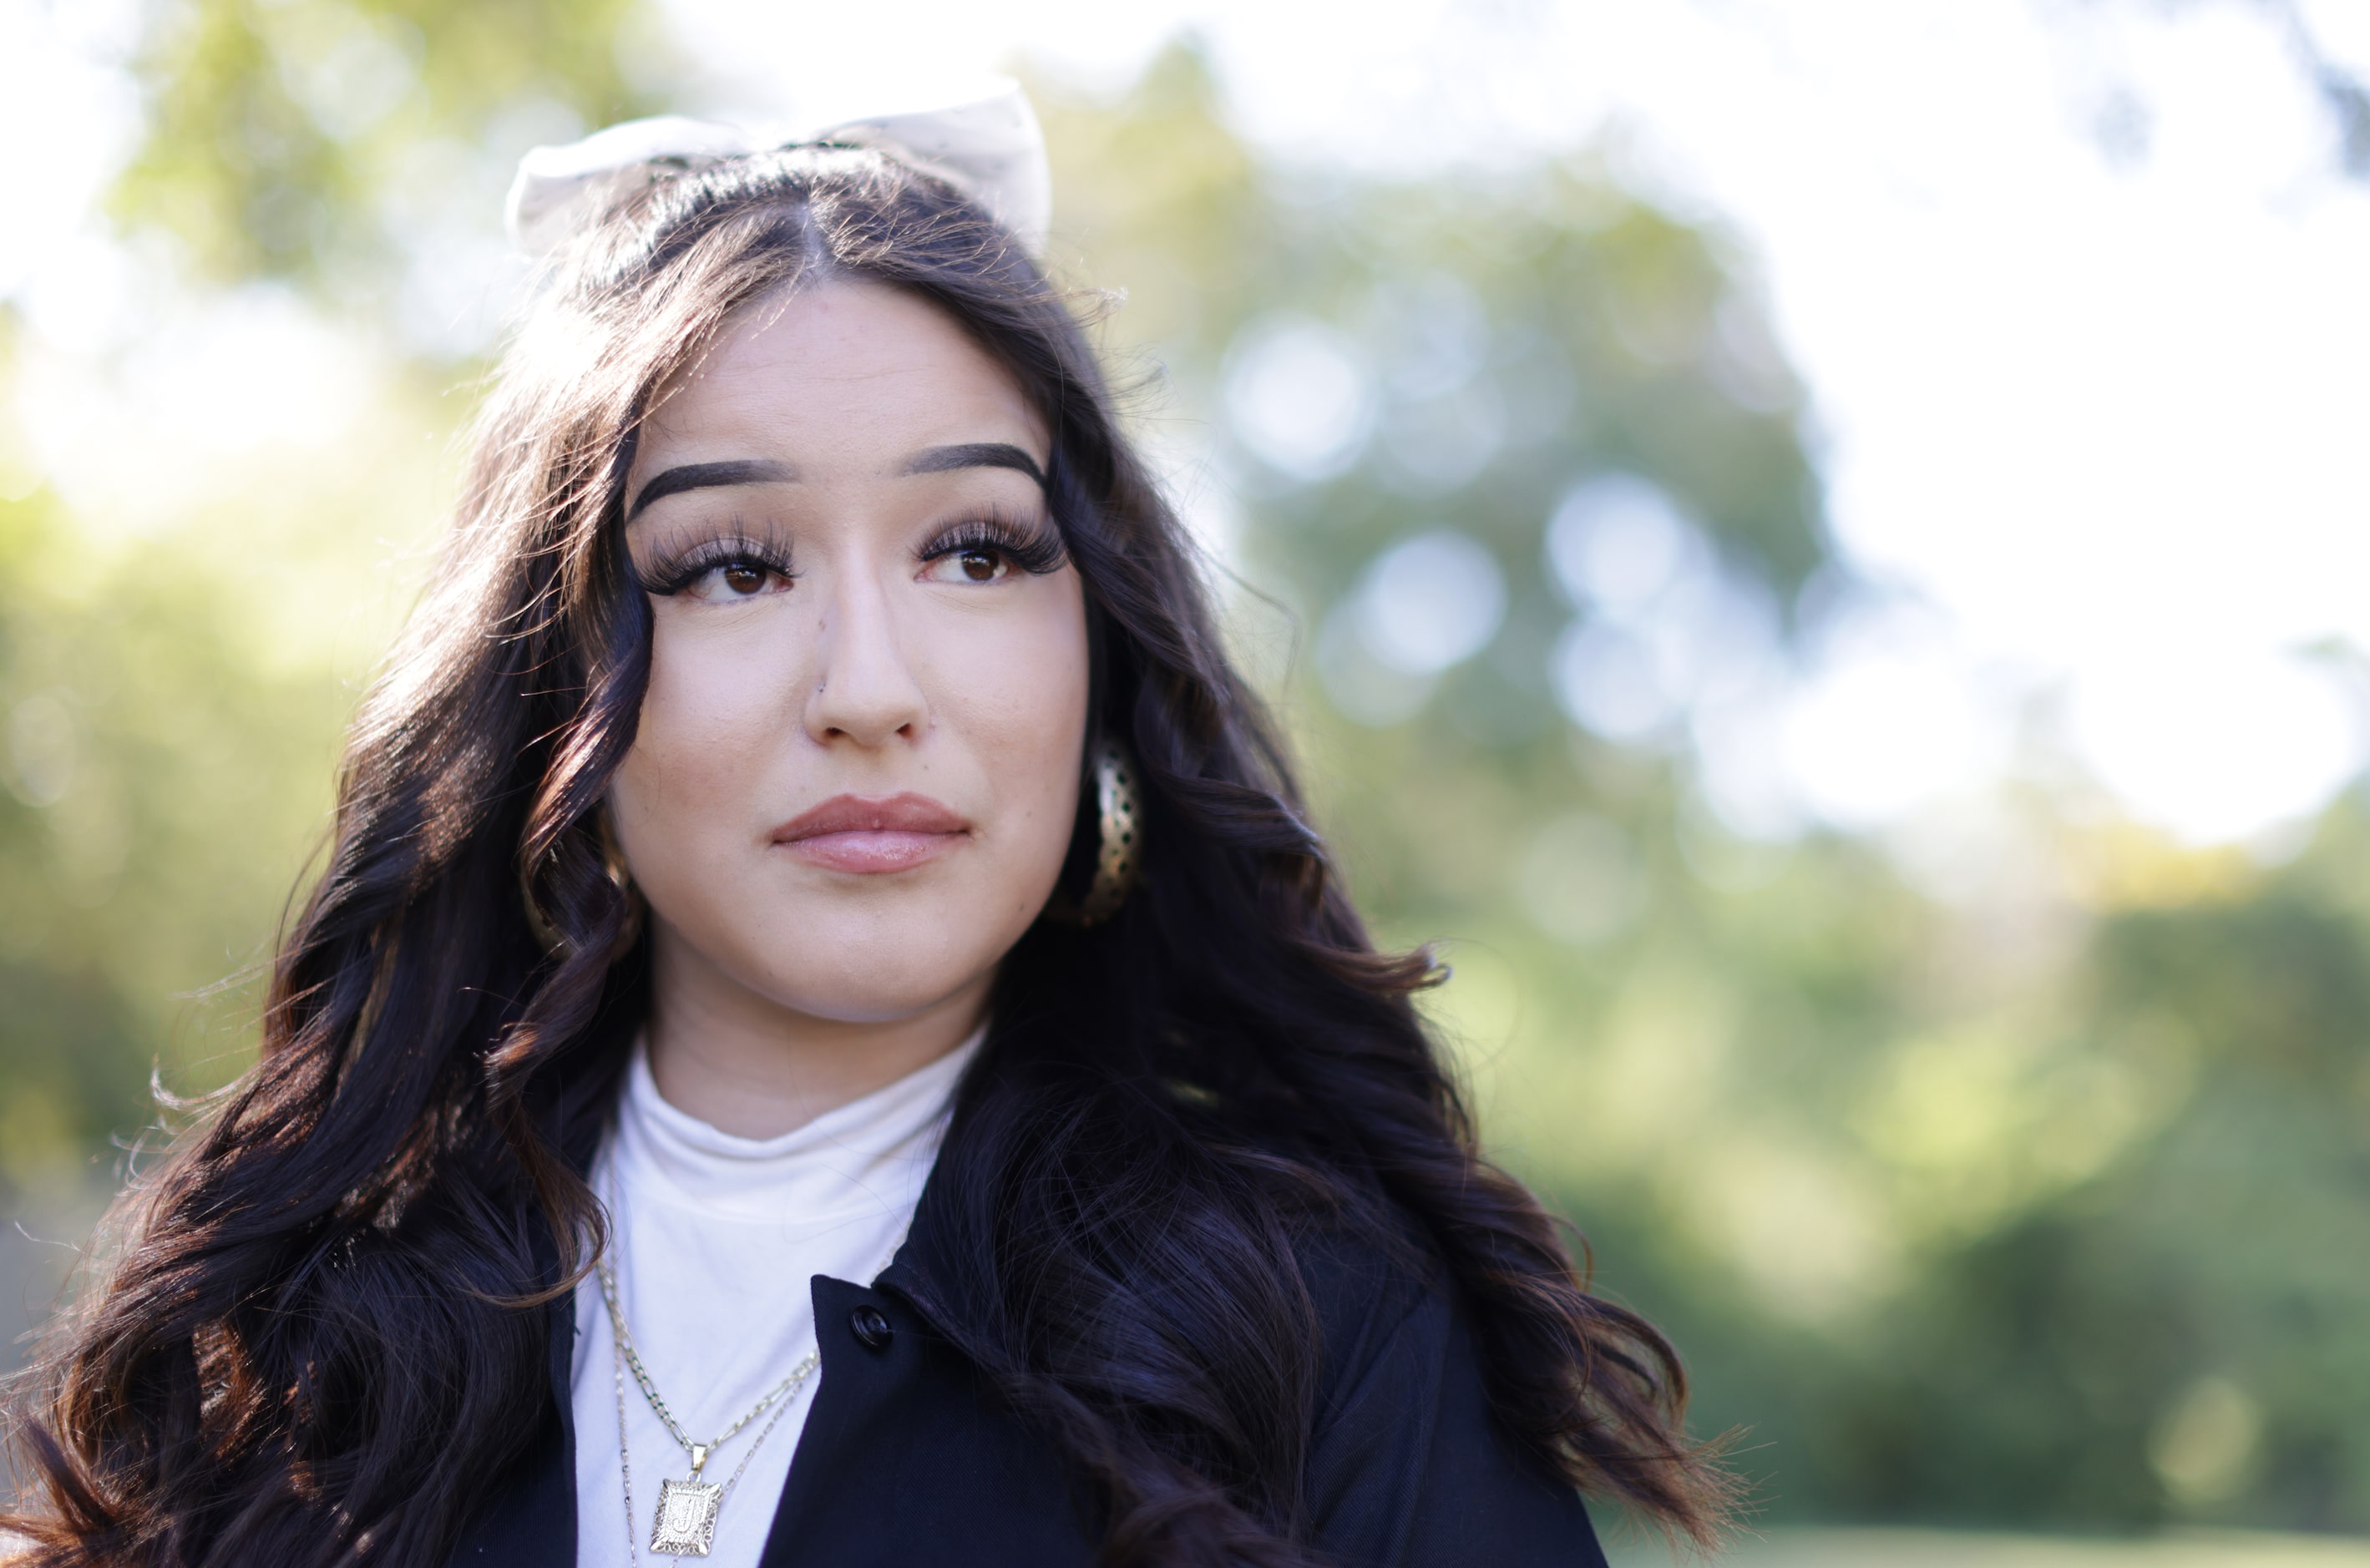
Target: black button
(871, 1326)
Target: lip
(850, 833)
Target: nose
(865, 689)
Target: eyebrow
(976, 454)
(708, 475)
(752, 471)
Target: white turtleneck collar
(847, 1160)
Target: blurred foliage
(2042, 1202)
(303, 139)
(2169, 1329)
(164, 772)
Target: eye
(972, 563)
(739, 578)
(990, 549)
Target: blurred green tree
(2178, 1337)
(284, 140)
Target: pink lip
(850, 833)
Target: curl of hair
(320, 1336)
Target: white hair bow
(989, 147)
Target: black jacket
(908, 1458)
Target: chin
(879, 970)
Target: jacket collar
(923, 1270)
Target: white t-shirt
(716, 1241)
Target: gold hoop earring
(1119, 863)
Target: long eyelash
(672, 572)
(1034, 547)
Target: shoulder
(1407, 1463)
(1365, 1281)
(1385, 1313)
(1386, 1310)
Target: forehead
(849, 374)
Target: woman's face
(857, 765)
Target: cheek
(713, 719)
(1015, 695)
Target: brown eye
(744, 576)
(980, 565)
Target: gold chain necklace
(684, 1525)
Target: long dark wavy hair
(320, 1339)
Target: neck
(748, 1065)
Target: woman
(813, 821)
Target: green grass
(1945, 1548)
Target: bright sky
(2095, 398)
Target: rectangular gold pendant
(686, 1523)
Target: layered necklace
(684, 1525)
